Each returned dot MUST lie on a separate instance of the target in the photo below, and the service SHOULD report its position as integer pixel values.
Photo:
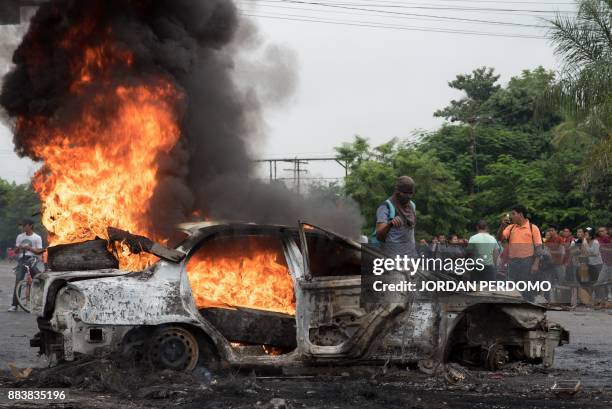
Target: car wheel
(174, 348)
(496, 357)
(22, 292)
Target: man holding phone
(28, 244)
(524, 243)
(396, 220)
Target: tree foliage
(584, 91)
(478, 88)
(372, 178)
(17, 202)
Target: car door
(332, 324)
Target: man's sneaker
(12, 309)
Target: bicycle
(22, 289)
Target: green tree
(452, 144)
(17, 202)
(355, 152)
(514, 106)
(584, 92)
(493, 121)
(478, 88)
(372, 179)
(486, 115)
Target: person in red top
(566, 236)
(11, 255)
(524, 247)
(602, 236)
(556, 247)
(568, 239)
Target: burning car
(248, 295)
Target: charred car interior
(247, 295)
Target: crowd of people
(579, 258)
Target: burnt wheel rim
(497, 357)
(174, 348)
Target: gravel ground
(587, 358)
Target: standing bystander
(396, 220)
(524, 245)
(28, 244)
(556, 248)
(485, 247)
(604, 281)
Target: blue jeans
(519, 269)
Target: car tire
(21, 289)
(496, 357)
(174, 347)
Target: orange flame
(104, 174)
(250, 276)
(96, 60)
(100, 170)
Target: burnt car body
(152, 313)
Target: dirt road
(587, 358)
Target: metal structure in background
(298, 167)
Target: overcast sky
(377, 82)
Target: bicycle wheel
(22, 291)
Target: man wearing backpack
(396, 219)
(524, 247)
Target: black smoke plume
(195, 44)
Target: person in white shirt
(28, 244)
(484, 246)
(590, 248)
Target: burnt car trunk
(86, 255)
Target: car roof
(193, 227)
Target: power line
(306, 178)
(396, 13)
(290, 17)
(350, 13)
(425, 7)
(554, 3)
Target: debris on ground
(517, 368)
(164, 389)
(106, 374)
(429, 366)
(20, 373)
(566, 389)
(277, 403)
(454, 374)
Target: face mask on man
(404, 197)
(404, 189)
